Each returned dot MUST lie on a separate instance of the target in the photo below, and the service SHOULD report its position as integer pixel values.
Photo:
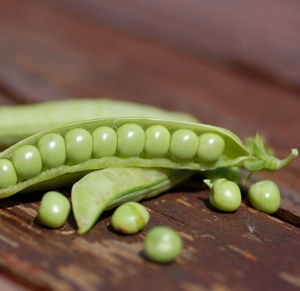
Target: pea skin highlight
(162, 244)
(54, 210)
(130, 218)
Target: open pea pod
(68, 152)
(110, 187)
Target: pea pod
(184, 144)
(20, 121)
(111, 187)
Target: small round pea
(8, 176)
(184, 144)
(162, 244)
(104, 142)
(130, 218)
(225, 195)
(131, 140)
(27, 161)
(211, 147)
(53, 150)
(157, 141)
(79, 145)
(54, 209)
(265, 196)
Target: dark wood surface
(233, 63)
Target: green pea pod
(20, 121)
(108, 188)
(127, 142)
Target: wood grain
(233, 64)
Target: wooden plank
(104, 260)
(253, 37)
(48, 52)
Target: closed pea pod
(104, 142)
(79, 145)
(27, 161)
(53, 150)
(157, 141)
(20, 121)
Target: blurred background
(230, 63)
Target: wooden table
(235, 64)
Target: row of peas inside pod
(74, 146)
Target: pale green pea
(104, 142)
(224, 195)
(52, 149)
(162, 244)
(8, 176)
(131, 140)
(157, 141)
(211, 147)
(265, 196)
(130, 218)
(184, 145)
(79, 145)
(27, 161)
(54, 209)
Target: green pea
(211, 147)
(131, 140)
(8, 176)
(184, 144)
(130, 218)
(162, 244)
(79, 145)
(157, 141)
(52, 149)
(54, 209)
(265, 196)
(27, 161)
(104, 142)
(224, 195)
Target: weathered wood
(255, 38)
(152, 54)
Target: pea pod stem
(262, 159)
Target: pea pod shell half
(111, 187)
